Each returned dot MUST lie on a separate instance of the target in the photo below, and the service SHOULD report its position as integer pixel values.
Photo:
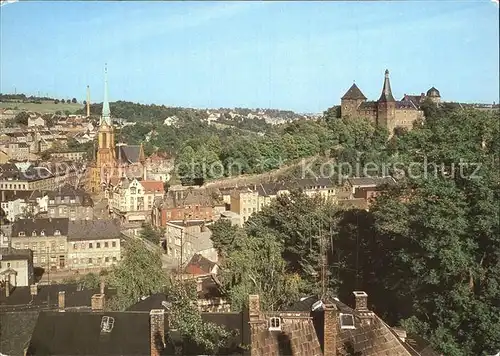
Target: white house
(16, 267)
(36, 122)
(171, 120)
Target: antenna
(88, 101)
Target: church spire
(386, 91)
(106, 112)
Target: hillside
(42, 107)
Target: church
(113, 161)
(387, 111)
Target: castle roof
(433, 92)
(354, 93)
(386, 95)
(368, 105)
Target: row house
(132, 200)
(70, 155)
(93, 244)
(38, 177)
(251, 199)
(63, 244)
(47, 238)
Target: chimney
(361, 307)
(61, 300)
(330, 330)
(34, 289)
(101, 286)
(157, 331)
(199, 285)
(361, 299)
(97, 302)
(7, 287)
(254, 307)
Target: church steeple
(386, 95)
(106, 112)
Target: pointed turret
(386, 91)
(106, 112)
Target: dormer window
(275, 323)
(133, 190)
(21, 233)
(42, 233)
(33, 233)
(57, 232)
(346, 321)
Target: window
(98, 245)
(90, 261)
(42, 233)
(113, 244)
(42, 259)
(26, 246)
(275, 323)
(114, 259)
(8, 264)
(33, 233)
(75, 246)
(90, 244)
(52, 210)
(99, 260)
(21, 233)
(57, 233)
(106, 244)
(106, 259)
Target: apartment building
(190, 204)
(63, 244)
(69, 155)
(68, 202)
(93, 244)
(47, 238)
(132, 200)
(182, 239)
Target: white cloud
(5, 2)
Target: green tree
(150, 234)
(74, 101)
(438, 231)
(22, 118)
(186, 318)
(90, 281)
(138, 274)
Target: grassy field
(44, 107)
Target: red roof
(152, 186)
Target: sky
(299, 56)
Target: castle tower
(434, 95)
(386, 106)
(106, 137)
(351, 101)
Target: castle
(112, 163)
(386, 111)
